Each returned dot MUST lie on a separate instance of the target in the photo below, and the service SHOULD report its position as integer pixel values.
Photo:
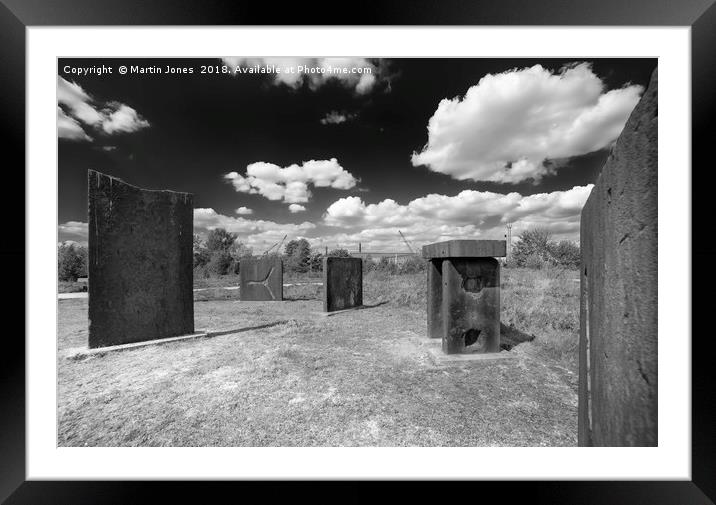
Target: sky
(343, 151)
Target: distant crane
(276, 244)
(410, 248)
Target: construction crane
(406, 242)
(276, 244)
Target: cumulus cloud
(294, 208)
(335, 117)
(69, 128)
(72, 231)
(508, 126)
(291, 184)
(120, 118)
(431, 218)
(255, 233)
(244, 211)
(77, 101)
(358, 74)
(77, 107)
(469, 214)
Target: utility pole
(509, 239)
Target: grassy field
(70, 287)
(280, 374)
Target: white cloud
(76, 106)
(358, 74)
(335, 117)
(77, 101)
(255, 233)
(244, 211)
(291, 184)
(507, 125)
(72, 230)
(432, 218)
(469, 214)
(294, 208)
(69, 128)
(122, 118)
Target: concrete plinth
(463, 300)
(471, 305)
(140, 263)
(342, 283)
(261, 279)
(466, 249)
(435, 298)
(438, 357)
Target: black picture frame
(700, 15)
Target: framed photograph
(439, 243)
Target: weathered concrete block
(471, 305)
(261, 279)
(466, 249)
(140, 262)
(342, 283)
(435, 298)
(618, 320)
(463, 298)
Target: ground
(281, 374)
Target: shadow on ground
(371, 306)
(511, 337)
(219, 333)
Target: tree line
(221, 253)
(536, 249)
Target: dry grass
(226, 288)
(216, 282)
(71, 287)
(544, 303)
(280, 375)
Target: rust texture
(618, 316)
(471, 305)
(261, 279)
(342, 283)
(140, 262)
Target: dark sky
(204, 126)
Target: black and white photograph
(357, 251)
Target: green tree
(297, 254)
(239, 250)
(71, 261)
(201, 252)
(221, 246)
(219, 263)
(316, 262)
(220, 240)
(339, 253)
(290, 248)
(534, 244)
(566, 254)
(535, 249)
